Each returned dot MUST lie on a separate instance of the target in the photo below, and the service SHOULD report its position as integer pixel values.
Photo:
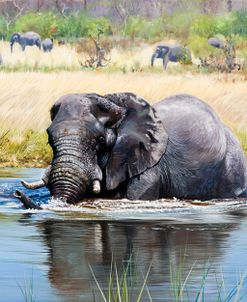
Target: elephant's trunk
(71, 173)
(154, 56)
(11, 46)
(66, 182)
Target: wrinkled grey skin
(173, 53)
(216, 42)
(47, 45)
(178, 148)
(28, 39)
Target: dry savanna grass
(26, 98)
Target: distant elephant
(28, 39)
(216, 42)
(173, 53)
(118, 146)
(47, 45)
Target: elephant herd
(166, 52)
(31, 39)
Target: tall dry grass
(25, 98)
(62, 57)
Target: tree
(12, 10)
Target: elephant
(47, 45)
(119, 146)
(28, 39)
(173, 53)
(216, 42)
(1, 60)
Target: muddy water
(48, 253)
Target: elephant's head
(99, 142)
(15, 37)
(162, 50)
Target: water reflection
(73, 245)
(57, 247)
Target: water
(49, 252)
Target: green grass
(242, 136)
(27, 290)
(29, 149)
(123, 286)
(120, 286)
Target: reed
(121, 286)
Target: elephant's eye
(101, 141)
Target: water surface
(52, 249)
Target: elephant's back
(31, 35)
(176, 53)
(194, 126)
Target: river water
(48, 253)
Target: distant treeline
(119, 10)
(180, 25)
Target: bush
(239, 24)
(205, 26)
(3, 28)
(49, 24)
(225, 24)
(143, 28)
(80, 25)
(45, 23)
(179, 24)
(201, 48)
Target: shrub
(200, 47)
(3, 28)
(179, 24)
(205, 26)
(143, 28)
(239, 24)
(80, 25)
(225, 24)
(45, 23)
(49, 24)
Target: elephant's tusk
(33, 185)
(96, 186)
(40, 183)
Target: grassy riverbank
(25, 100)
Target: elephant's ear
(54, 110)
(141, 140)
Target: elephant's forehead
(73, 106)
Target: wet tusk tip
(24, 183)
(96, 187)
